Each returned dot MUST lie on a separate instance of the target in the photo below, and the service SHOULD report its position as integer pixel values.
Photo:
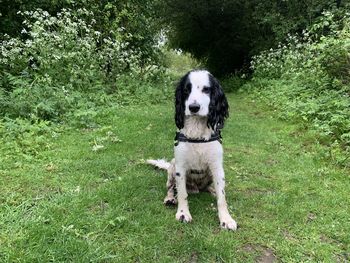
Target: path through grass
(75, 204)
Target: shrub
(307, 79)
(59, 61)
(63, 70)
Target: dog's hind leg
(211, 189)
(192, 188)
(170, 199)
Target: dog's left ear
(218, 106)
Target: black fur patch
(170, 202)
(218, 106)
(182, 92)
(197, 171)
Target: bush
(63, 70)
(61, 62)
(307, 79)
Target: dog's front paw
(183, 216)
(228, 223)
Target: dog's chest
(198, 156)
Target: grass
(76, 204)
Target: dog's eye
(188, 88)
(206, 90)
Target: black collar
(180, 137)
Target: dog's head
(200, 94)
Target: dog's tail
(160, 163)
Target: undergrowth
(307, 81)
(63, 71)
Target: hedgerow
(63, 70)
(58, 59)
(307, 79)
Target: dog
(200, 112)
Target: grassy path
(80, 202)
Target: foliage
(226, 34)
(307, 79)
(234, 82)
(24, 139)
(61, 62)
(178, 63)
(131, 22)
(61, 69)
(197, 27)
(128, 21)
(11, 20)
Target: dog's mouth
(197, 115)
(194, 114)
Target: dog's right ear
(180, 102)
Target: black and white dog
(201, 109)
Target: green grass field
(81, 202)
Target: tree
(226, 34)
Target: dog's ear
(218, 106)
(180, 102)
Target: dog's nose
(194, 107)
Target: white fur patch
(198, 79)
(160, 163)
